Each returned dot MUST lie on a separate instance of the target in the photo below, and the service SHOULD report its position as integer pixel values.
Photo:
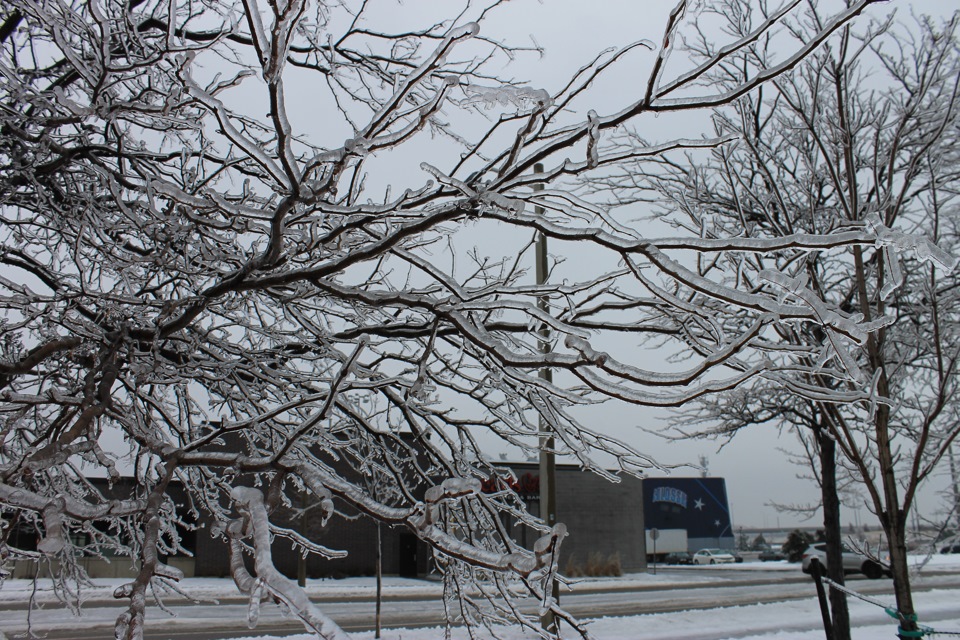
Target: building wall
(601, 517)
(403, 553)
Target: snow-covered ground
(794, 620)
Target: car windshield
(844, 548)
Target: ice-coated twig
(250, 503)
(520, 97)
(593, 139)
(53, 541)
(422, 519)
(915, 245)
(130, 623)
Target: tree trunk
(832, 532)
(895, 528)
(892, 516)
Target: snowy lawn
(779, 621)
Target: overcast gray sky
(571, 32)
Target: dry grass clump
(596, 566)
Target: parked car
(853, 562)
(678, 557)
(713, 556)
(951, 548)
(771, 555)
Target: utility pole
(548, 463)
(955, 483)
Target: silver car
(713, 556)
(853, 562)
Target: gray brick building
(603, 519)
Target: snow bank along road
(417, 604)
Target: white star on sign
(716, 523)
(698, 504)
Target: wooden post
(379, 581)
(548, 463)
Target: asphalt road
(228, 618)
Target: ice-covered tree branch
(288, 244)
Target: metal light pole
(302, 559)
(954, 481)
(548, 463)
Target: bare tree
(202, 279)
(863, 132)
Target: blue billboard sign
(698, 505)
